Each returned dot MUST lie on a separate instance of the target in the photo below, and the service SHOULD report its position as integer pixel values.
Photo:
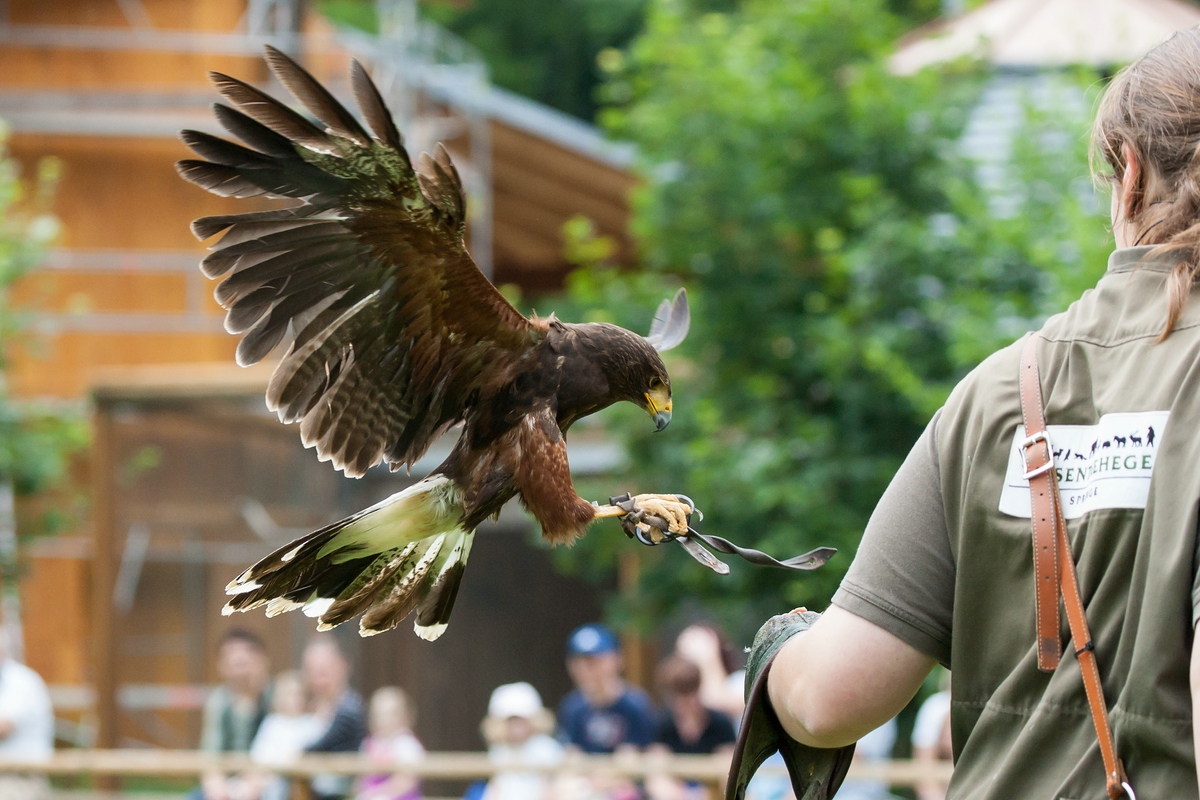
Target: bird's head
(632, 366)
(652, 386)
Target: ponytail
(1153, 105)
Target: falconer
(1069, 460)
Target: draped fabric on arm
(391, 331)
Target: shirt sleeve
(346, 730)
(902, 578)
(645, 720)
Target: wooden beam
(544, 223)
(104, 633)
(569, 198)
(526, 248)
(445, 766)
(535, 154)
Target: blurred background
(863, 200)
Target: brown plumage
(390, 336)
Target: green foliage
(34, 441)
(544, 49)
(844, 268)
(555, 51)
(355, 13)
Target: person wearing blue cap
(604, 712)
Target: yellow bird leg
(604, 512)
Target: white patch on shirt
(1107, 465)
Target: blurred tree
(844, 267)
(544, 49)
(34, 441)
(552, 50)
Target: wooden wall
(197, 462)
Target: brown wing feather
(389, 326)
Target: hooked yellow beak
(658, 405)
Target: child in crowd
(390, 743)
(284, 733)
(516, 729)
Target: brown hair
(244, 636)
(678, 676)
(1153, 105)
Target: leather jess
(1054, 568)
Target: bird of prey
(391, 336)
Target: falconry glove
(816, 773)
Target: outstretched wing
(389, 325)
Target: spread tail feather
(404, 554)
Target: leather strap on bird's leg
(1054, 569)
(652, 530)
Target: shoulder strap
(1051, 555)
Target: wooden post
(104, 529)
(634, 648)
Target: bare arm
(845, 677)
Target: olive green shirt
(946, 562)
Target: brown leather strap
(1043, 501)
(1052, 554)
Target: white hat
(515, 700)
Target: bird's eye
(656, 384)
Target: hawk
(391, 336)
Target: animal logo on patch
(1106, 465)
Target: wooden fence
(710, 770)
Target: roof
(1038, 34)
(145, 114)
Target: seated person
(283, 735)
(391, 743)
(516, 730)
(603, 713)
(688, 726)
(340, 709)
(234, 710)
(26, 724)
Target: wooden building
(183, 446)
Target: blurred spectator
(26, 725)
(516, 730)
(603, 713)
(340, 709)
(875, 746)
(931, 738)
(687, 726)
(234, 710)
(391, 743)
(283, 735)
(721, 679)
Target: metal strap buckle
(1030, 441)
(1128, 790)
